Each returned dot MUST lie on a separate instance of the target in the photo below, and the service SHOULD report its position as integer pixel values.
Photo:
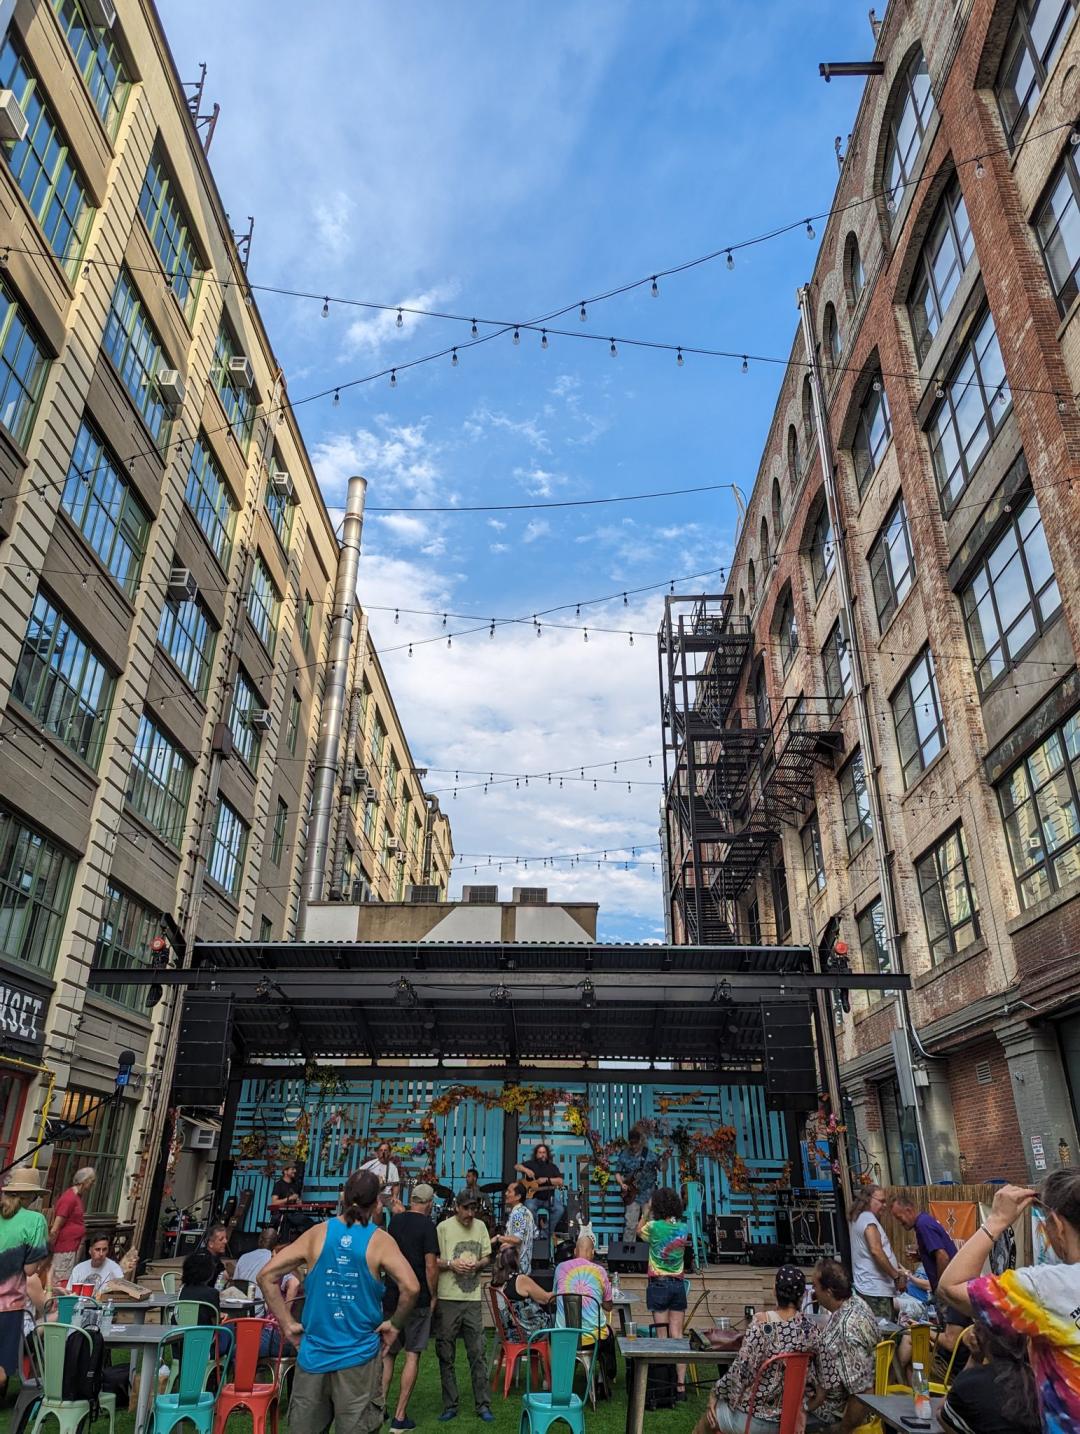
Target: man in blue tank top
(338, 1372)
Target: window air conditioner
(357, 778)
(13, 123)
(240, 371)
(181, 586)
(393, 845)
(200, 1137)
(336, 894)
(170, 386)
(422, 895)
(100, 12)
(260, 720)
(282, 485)
(371, 796)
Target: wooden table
(661, 1351)
(891, 1407)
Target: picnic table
(661, 1351)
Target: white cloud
(540, 482)
(497, 524)
(498, 547)
(535, 529)
(373, 330)
(333, 222)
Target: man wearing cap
(415, 1234)
(24, 1244)
(464, 1251)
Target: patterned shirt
(1042, 1302)
(24, 1240)
(521, 1223)
(849, 1340)
(642, 1169)
(761, 1341)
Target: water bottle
(920, 1388)
(107, 1317)
(616, 1292)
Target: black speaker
(790, 1072)
(768, 1253)
(628, 1257)
(202, 1049)
(541, 1252)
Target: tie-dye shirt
(668, 1240)
(583, 1277)
(1043, 1302)
(24, 1240)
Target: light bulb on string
(249, 299)
(810, 230)
(655, 288)
(876, 385)
(517, 336)
(393, 378)
(450, 641)
(582, 315)
(980, 169)
(1062, 407)
(543, 338)
(337, 398)
(399, 321)
(679, 357)
(745, 364)
(410, 649)
(631, 639)
(614, 350)
(939, 391)
(475, 330)
(730, 259)
(585, 630)
(453, 358)
(492, 632)
(397, 616)
(326, 308)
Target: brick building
(890, 749)
(167, 574)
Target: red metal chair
(242, 1391)
(792, 1413)
(512, 1342)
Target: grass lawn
(608, 1418)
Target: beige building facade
(167, 568)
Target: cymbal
(443, 1191)
(493, 1187)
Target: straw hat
(24, 1182)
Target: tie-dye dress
(1043, 1302)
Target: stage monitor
(202, 1050)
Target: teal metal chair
(188, 1399)
(191, 1312)
(66, 1306)
(71, 1415)
(170, 1283)
(540, 1410)
(695, 1206)
(186, 1315)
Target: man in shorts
(414, 1231)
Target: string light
(614, 350)
(745, 364)
(679, 357)
(337, 398)
(453, 358)
(655, 291)
(730, 259)
(810, 230)
(543, 338)
(582, 315)
(326, 307)
(980, 171)
(517, 336)
(475, 330)
(393, 378)
(399, 321)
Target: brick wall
(989, 1141)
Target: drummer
(485, 1208)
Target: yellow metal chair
(883, 1360)
(952, 1358)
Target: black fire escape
(729, 787)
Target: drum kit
(487, 1195)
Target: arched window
(913, 105)
(786, 630)
(854, 273)
(822, 549)
(777, 508)
(807, 412)
(794, 458)
(834, 340)
(760, 696)
(742, 603)
(763, 551)
(751, 584)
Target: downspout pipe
(862, 707)
(327, 751)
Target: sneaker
(447, 1415)
(486, 1415)
(403, 1424)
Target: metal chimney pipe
(334, 696)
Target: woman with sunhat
(24, 1244)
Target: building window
(1058, 227)
(1040, 805)
(777, 508)
(23, 366)
(873, 947)
(908, 124)
(307, 612)
(170, 234)
(1012, 596)
(834, 339)
(98, 61)
(277, 841)
(836, 659)
(243, 709)
(855, 799)
(106, 1148)
(42, 165)
(822, 550)
(787, 631)
(872, 433)
(263, 603)
(813, 861)
(35, 886)
(228, 848)
(135, 349)
(892, 563)
(371, 821)
(378, 737)
(794, 458)
(102, 504)
(963, 424)
(293, 729)
(751, 584)
(237, 401)
(62, 682)
(266, 928)
(1034, 39)
(280, 510)
(763, 550)
(187, 633)
(853, 270)
(209, 499)
(160, 781)
(920, 727)
(950, 906)
(807, 413)
(945, 254)
(124, 936)
(753, 922)
(761, 699)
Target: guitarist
(636, 1170)
(544, 1187)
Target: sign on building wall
(22, 1017)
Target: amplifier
(768, 1253)
(627, 1257)
(541, 1252)
(726, 1236)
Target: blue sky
(503, 160)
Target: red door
(13, 1086)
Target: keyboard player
(286, 1214)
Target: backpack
(84, 1368)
